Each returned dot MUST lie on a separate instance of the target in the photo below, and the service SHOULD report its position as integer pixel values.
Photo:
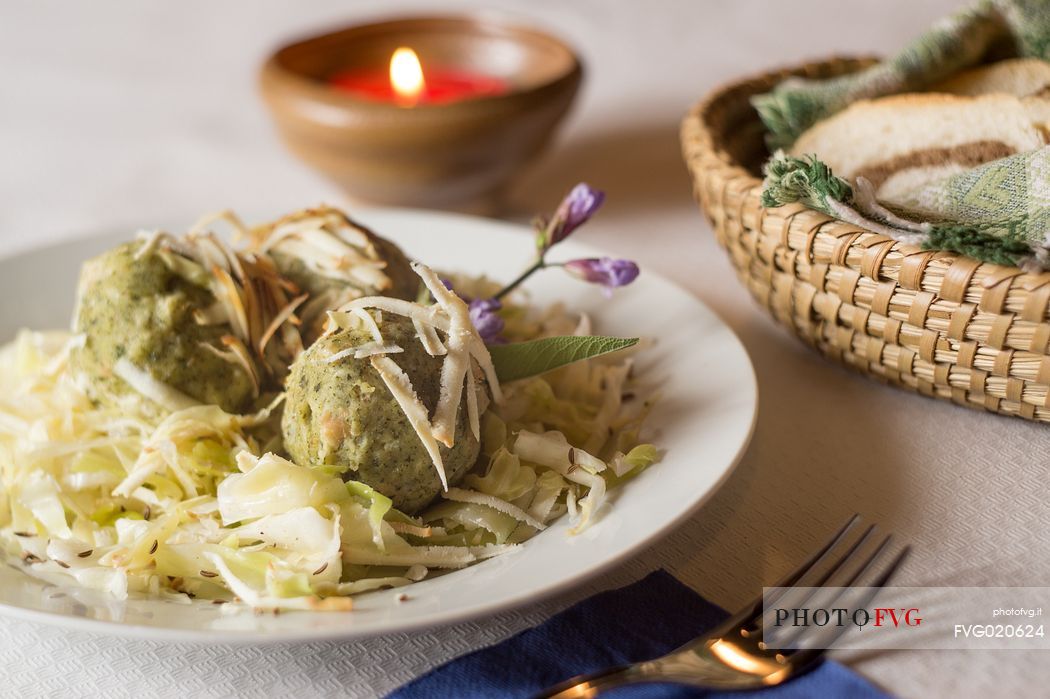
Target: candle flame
(406, 75)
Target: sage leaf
(521, 360)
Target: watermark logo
(841, 616)
(905, 617)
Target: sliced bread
(902, 142)
(1017, 76)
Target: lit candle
(406, 76)
(406, 84)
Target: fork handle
(588, 686)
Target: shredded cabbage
(378, 506)
(196, 504)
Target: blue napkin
(641, 621)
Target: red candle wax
(440, 86)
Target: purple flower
(574, 211)
(484, 316)
(606, 271)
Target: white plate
(703, 421)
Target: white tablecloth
(133, 113)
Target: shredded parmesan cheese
(457, 360)
(364, 351)
(369, 323)
(244, 358)
(400, 387)
(428, 337)
(285, 314)
(473, 414)
(249, 294)
(331, 245)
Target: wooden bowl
(443, 155)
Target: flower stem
(537, 265)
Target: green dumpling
(334, 260)
(341, 416)
(140, 310)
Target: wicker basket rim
(695, 124)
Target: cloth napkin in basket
(641, 621)
(996, 212)
(1010, 27)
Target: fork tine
(835, 568)
(867, 564)
(753, 610)
(832, 633)
(844, 559)
(801, 595)
(881, 581)
(796, 575)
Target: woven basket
(934, 322)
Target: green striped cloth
(996, 212)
